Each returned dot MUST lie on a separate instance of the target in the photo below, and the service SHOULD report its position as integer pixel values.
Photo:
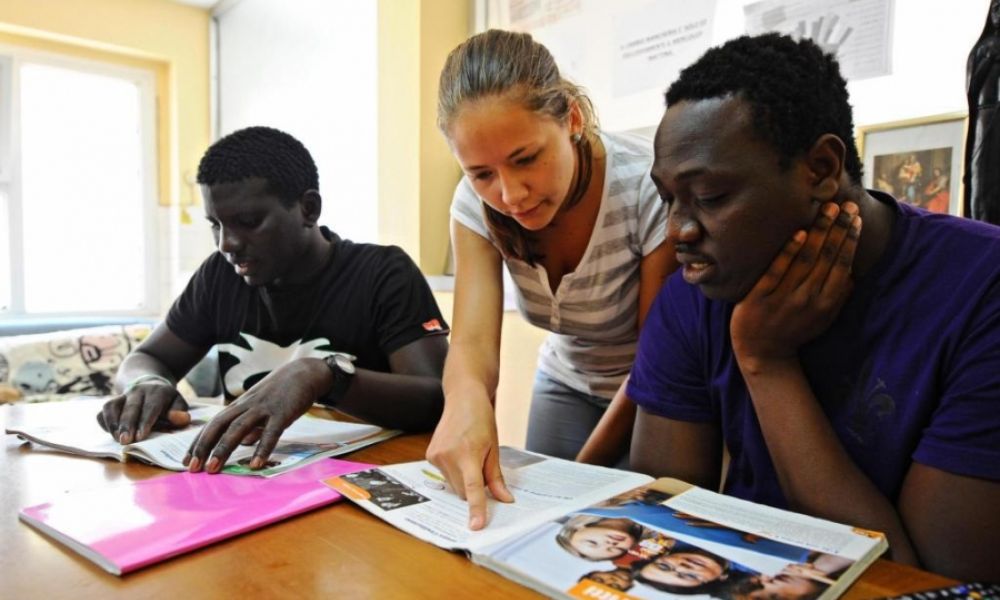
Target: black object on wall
(982, 145)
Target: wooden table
(338, 551)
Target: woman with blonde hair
(573, 214)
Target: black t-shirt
(368, 300)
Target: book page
(307, 439)
(668, 539)
(65, 429)
(96, 444)
(785, 526)
(415, 498)
(71, 426)
(168, 450)
(295, 451)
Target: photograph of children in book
(636, 545)
(288, 453)
(385, 491)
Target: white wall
(309, 67)
(931, 40)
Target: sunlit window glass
(82, 191)
(5, 271)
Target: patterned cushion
(62, 364)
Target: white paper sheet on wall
(656, 41)
(858, 32)
(525, 15)
(623, 52)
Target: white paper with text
(414, 497)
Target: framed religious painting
(919, 161)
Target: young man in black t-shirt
(299, 315)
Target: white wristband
(141, 379)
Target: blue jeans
(561, 419)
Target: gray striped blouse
(593, 315)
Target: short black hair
(795, 91)
(263, 152)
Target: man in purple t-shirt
(852, 373)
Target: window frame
(11, 59)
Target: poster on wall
(654, 42)
(525, 15)
(624, 53)
(858, 32)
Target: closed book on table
(124, 527)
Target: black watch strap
(342, 367)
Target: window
(77, 188)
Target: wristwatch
(342, 367)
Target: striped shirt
(594, 313)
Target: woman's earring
(576, 137)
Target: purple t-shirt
(909, 371)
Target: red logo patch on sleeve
(433, 325)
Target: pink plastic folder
(128, 526)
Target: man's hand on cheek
(801, 293)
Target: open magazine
(61, 426)
(581, 531)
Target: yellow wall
(168, 38)
(443, 25)
(417, 173)
(399, 125)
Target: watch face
(345, 364)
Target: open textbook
(581, 531)
(71, 426)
